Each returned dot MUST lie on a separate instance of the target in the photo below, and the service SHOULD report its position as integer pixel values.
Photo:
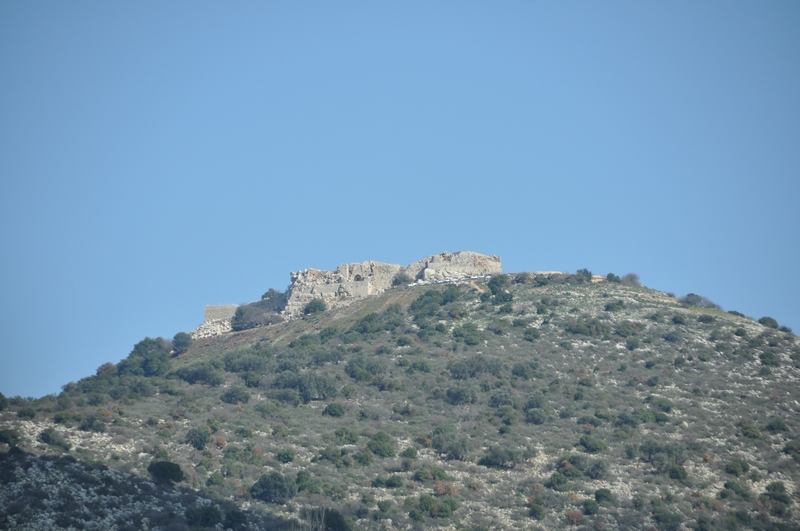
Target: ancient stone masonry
(216, 321)
(356, 281)
(351, 282)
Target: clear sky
(156, 157)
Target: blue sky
(156, 157)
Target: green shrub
(53, 438)
(409, 453)
(404, 341)
(500, 457)
(591, 445)
(346, 435)
(769, 322)
(201, 373)
(737, 467)
(468, 333)
(274, 488)
(381, 445)
(461, 394)
(334, 410)
(590, 507)
(498, 283)
(286, 455)
(315, 306)
(181, 342)
(235, 395)
(205, 516)
(428, 473)
(793, 449)
(603, 495)
(401, 279)
(26, 413)
(149, 357)
(677, 472)
(531, 334)
(750, 430)
(776, 426)
(166, 471)
(197, 437)
(693, 299)
(446, 440)
(215, 480)
(558, 482)
(10, 437)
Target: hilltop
(511, 401)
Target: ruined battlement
(351, 282)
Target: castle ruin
(355, 281)
(352, 282)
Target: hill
(518, 401)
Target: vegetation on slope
(524, 401)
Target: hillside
(523, 401)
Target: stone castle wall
(214, 313)
(350, 282)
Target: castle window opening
(358, 278)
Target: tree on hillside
(166, 471)
(274, 488)
(181, 342)
(149, 357)
(316, 305)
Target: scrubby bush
(197, 437)
(286, 455)
(235, 395)
(446, 440)
(531, 334)
(149, 357)
(769, 322)
(181, 342)
(204, 516)
(381, 445)
(166, 471)
(591, 445)
(428, 473)
(10, 437)
(461, 394)
(53, 438)
(737, 467)
(692, 299)
(274, 488)
(500, 457)
(468, 333)
(401, 278)
(603, 495)
(315, 306)
(201, 373)
(334, 410)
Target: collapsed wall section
(216, 321)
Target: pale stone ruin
(216, 321)
(356, 281)
(351, 282)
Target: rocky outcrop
(350, 282)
